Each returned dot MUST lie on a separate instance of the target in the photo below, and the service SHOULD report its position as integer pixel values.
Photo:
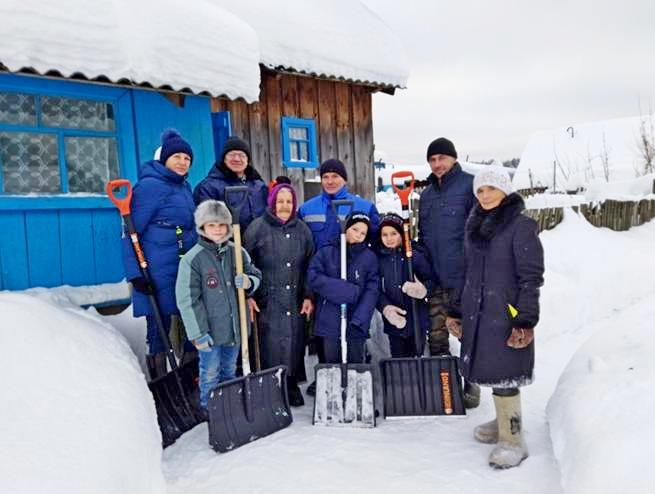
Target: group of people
(478, 266)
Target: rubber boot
(471, 395)
(487, 433)
(156, 364)
(510, 450)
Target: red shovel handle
(403, 194)
(123, 204)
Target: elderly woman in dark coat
(499, 308)
(281, 246)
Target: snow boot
(487, 433)
(471, 395)
(156, 364)
(510, 450)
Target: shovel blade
(248, 408)
(177, 401)
(420, 387)
(344, 401)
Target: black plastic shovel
(419, 386)
(176, 393)
(344, 392)
(253, 406)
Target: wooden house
(77, 109)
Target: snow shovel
(419, 386)
(344, 392)
(253, 406)
(176, 393)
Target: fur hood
(483, 225)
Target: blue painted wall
(52, 240)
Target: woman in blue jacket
(359, 291)
(162, 211)
(397, 290)
(499, 308)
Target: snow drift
(77, 416)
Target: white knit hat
(495, 176)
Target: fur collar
(483, 225)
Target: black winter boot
(471, 395)
(311, 389)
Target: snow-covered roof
(204, 46)
(196, 46)
(340, 39)
(576, 155)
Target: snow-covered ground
(592, 396)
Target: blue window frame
(59, 139)
(299, 143)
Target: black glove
(142, 286)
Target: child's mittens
(415, 289)
(395, 315)
(242, 281)
(204, 343)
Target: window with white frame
(299, 143)
(51, 144)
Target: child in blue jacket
(359, 291)
(397, 291)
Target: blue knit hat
(171, 143)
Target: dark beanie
(333, 166)
(441, 146)
(171, 143)
(393, 220)
(358, 217)
(235, 143)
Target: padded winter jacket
(282, 251)
(220, 176)
(317, 213)
(359, 291)
(443, 210)
(394, 272)
(206, 294)
(505, 265)
(161, 202)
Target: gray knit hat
(496, 176)
(212, 211)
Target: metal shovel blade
(419, 387)
(248, 408)
(344, 400)
(177, 401)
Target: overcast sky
(488, 73)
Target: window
(299, 143)
(52, 144)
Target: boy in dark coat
(206, 295)
(235, 168)
(281, 246)
(500, 308)
(359, 291)
(397, 291)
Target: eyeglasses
(237, 154)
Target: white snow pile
(197, 45)
(584, 153)
(340, 38)
(76, 416)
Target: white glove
(242, 281)
(395, 315)
(415, 289)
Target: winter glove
(415, 289)
(204, 343)
(177, 335)
(395, 315)
(242, 281)
(520, 338)
(454, 326)
(142, 286)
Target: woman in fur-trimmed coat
(499, 308)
